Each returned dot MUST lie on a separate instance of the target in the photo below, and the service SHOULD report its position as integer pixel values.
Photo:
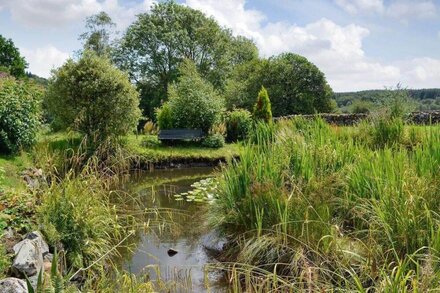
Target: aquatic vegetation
(320, 207)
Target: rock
(171, 252)
(13, 285)
(48, 257)
(29, 254)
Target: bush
(214, 141)
(238, 125)
(193, 102)
(164, 117)
(150, 128)
(19, 114)
(93, 97)
(262, 108)
(77, 214)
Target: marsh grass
(321, 207)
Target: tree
(295, 85)
(19, 114)
(262, 108)
(193, 101)
(10, 58)
(93, 97)
(155, 45)
(97, 37)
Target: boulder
(13, 285)
(29, 254)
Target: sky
(358, 44)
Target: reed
(321, 207)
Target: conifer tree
(262, 108)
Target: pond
(178, 243)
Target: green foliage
(164, 117)
(77, 213)
(155, 45)
(193, 101)
(93, 97)
(54, 282)
(295, 85)
(238, 125)
(19, 114)
(246, 80)
(97, 38)
(214, 141)
(387, 132)
(262, 108)
(361, 106)
(422, 99)
(11, 59)
(4, 259)
(316, 196)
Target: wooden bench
(180, 134)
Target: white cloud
(57, 13)
(400, 9)
(335, 49)
(43, 60)
(409, 9)
(356, 6)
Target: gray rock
(13, 285)
(29, 254)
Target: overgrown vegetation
(193, 102)
(330, 208)
(93, 97)
(19, 114)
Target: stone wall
(351, 119)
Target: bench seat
(180, 134)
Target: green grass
(12, 166)
(335, 208)
(150, 149)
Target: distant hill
(425, 99)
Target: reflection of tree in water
(149, 199)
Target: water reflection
(175, 226)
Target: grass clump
(316, 208)
(77, 214)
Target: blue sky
(358, 44)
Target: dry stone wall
(421, 118)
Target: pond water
(175, 226)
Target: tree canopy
(94, 97)
(10, 58)
(295, 85)
(97, 37)
(155, 45)
(193, 102)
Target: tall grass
(333, 208)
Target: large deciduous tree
(295, 85)
(154, 46)
(97, 37)
(10, 58)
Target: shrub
(77, 214)
(214, 141)
(238, 125)
(262, 108)
(387, 132)
(164, 117)
(93, 97)
(193, 101)
(19, 114)
(150, 128)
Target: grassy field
(312, 207)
